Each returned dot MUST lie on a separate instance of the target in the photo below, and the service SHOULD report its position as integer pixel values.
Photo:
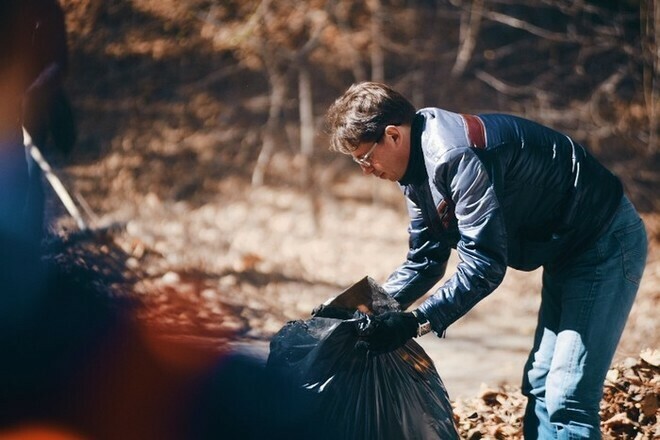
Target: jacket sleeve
(482, 247)
(425, 263)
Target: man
(504, 192)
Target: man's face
(388, 158)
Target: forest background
(201, 133)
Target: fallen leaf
(651, 357)
(649, 404)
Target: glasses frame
(365, 160)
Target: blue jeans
(584, 308)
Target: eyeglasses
(365, 159)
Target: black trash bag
(358, 395)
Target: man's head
(371, 122)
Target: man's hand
(387, 332)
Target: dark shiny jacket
(501, 190)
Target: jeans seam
(586, 312)
(629, 230)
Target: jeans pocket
(633, 244)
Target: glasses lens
(365, 159)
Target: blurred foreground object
(77, 364)
(54, 181)
(46, 108)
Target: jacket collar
(416, 171)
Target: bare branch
(504, 88)
(469, 32)
(532, 29)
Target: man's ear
(394, 132)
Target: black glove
(387, 332)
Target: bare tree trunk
(306, 123)
(277, 93)
(417, 86)
(307, 139)
(359, 72)
(377, 54)
(650, 14)
(469, 32)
